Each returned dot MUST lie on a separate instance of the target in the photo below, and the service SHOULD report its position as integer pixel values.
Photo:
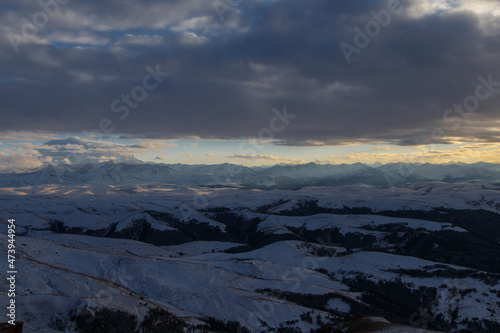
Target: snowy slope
(300, 259)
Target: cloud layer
(229, 67)
(23, 156)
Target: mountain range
(232, 175)
(142, 247)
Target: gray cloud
(226, 76)
(75, 150)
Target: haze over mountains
(275, 177)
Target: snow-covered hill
(171, 258)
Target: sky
(252, 82)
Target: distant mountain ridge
(232, 175)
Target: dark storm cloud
(225, 76)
